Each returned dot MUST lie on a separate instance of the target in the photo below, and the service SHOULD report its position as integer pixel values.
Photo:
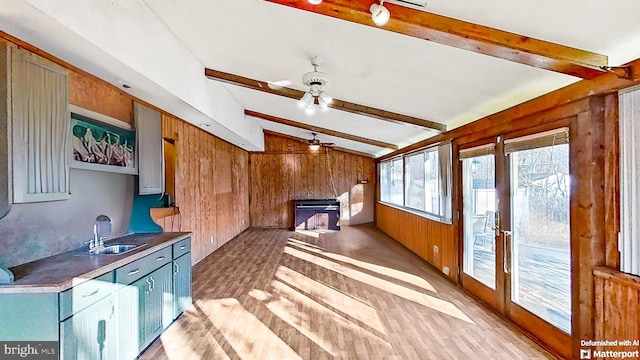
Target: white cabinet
(40, 128)
(150, 153)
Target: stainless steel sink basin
(115, 249)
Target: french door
(516, 249)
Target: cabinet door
(150, 153)
(130, 321)
(41, 129)
(158, 305)
(90, 333)
(181, 284)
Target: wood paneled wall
(617, 304)
(287, 170)
(431, 240)
(212, 188)
(96, 95)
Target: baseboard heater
(314, 214)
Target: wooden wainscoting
(287, 170)
(431, 240)
(617, 307)
(212, 187)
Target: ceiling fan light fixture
(314, 2)
(323, 97)
(306, 100)
(314, 147)
(379, 14)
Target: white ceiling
(366, 65)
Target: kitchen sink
(115, 249)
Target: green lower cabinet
(181, 284)
(91, 333)
(158, 306)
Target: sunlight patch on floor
(327, 322)
(304, 243)
(312, 233)
(178, 344)
(382, 270)
(332, 297)
(434, 303)
(289, 312)
(245, 333)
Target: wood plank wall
(96, 95)
(212, 188)
(287, 170)
(431, 240)
(617, 304)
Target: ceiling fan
(315, 144)
(316, 81)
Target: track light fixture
(379, 14)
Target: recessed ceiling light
(314, 2)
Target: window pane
(479, 216)
(541, 260)
(385, 181)
(432, 185)
(396, 191)
(414, 168)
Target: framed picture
(102, 143)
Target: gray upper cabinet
(41, 129)
(150, 154)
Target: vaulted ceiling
(161, 48)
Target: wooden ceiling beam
(335, 104)
(465, 35)
(320, 130)
(330, 148)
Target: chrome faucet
(101, 231)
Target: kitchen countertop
(63, 271)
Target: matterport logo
(32, 350)
(609, 354)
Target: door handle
(506, 251)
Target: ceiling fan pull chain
(333, 185)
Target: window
(432, 183)
(422, 184)
(396, 190)
(415, 189)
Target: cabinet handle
(91, 293)
(177, 268)
(160, 258)
(149, 288)
(133, 272)
(153, 283)
(183, 247)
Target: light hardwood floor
(353, 294)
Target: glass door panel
(479, 209)
(540, 240)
